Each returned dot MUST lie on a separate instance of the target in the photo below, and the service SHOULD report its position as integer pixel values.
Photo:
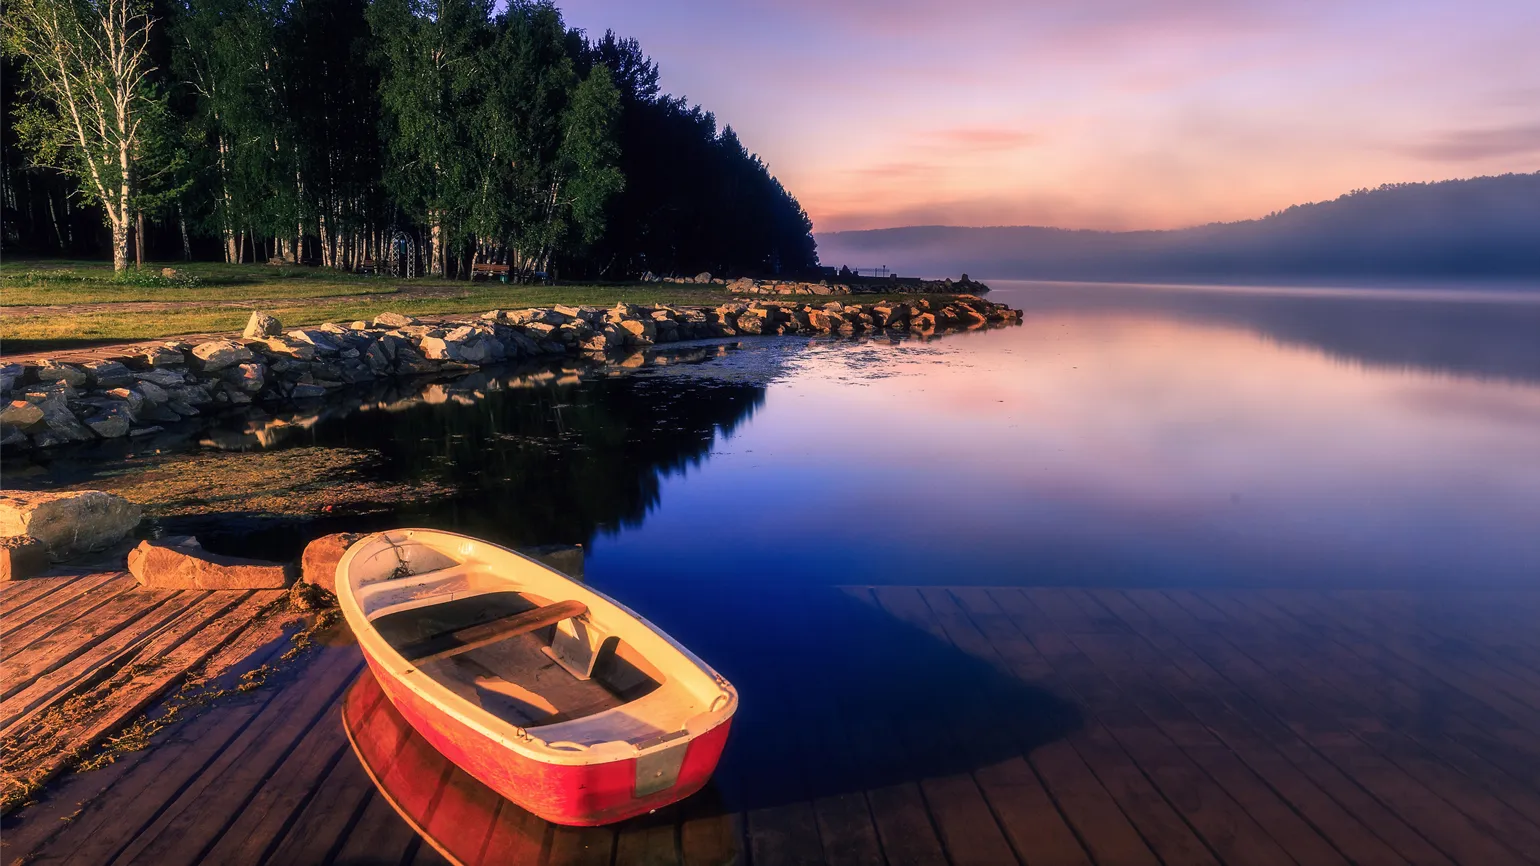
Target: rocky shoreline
(53, 402)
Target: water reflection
(1494, 335)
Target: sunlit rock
(69, 522)
(182, 563)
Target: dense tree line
(423, 134)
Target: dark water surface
(1122, 437)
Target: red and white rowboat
(553, 695)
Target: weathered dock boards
(81, 654)
(1202, 726)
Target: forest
(402, 136)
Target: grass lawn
(219, 297)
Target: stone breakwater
(748, 286)
(54, 401)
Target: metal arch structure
(401, 258)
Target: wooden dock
(1044, 726)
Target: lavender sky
(1111, 114)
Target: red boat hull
(581, 795)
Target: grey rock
(287, 347)
(262, 325)
(162, 356)
(152, 392)
(108, 374)
(302, 391)
(219, 354)
(11, 437)
(11, 376)
(248, 377)
(53, 371)
(163, 378)
(393, 320)
(62, 423)
(68, 523)
(109, 425)
(324, 343)
(439, 349)
(20, 413)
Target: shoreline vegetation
(134, 390)
(58, 307)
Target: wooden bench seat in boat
(457, 641)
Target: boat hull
(581, 795)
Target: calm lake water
(1122, 437)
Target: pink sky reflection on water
(1113, 446)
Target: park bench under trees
(489, 270)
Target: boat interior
(495, 650)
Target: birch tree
(86, 70)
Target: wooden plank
(969, 831)
(1449, 830)
(711, 836)
(186, 613)
(60, 646)
(259, 825)
(1479, 789)
(898, 807)
(1037, 831)
(1337, 821)
(17, 594)
(26, 615)
(1113, 824)
(111, 815)
(650, 839)
(195, 820)
(1135, 673)
(581, 846)
(1156, 817)
(1222, 822)
(1252, 699)
(173, 657)
(320, 830)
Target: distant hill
(1482, 228)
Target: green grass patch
(217, 298)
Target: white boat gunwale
(471, 557)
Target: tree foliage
(86, 72)
(326, 130)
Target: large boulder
(319, 562)
(261, 326)
(69, 522)
(182, 563)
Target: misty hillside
(1484, 228)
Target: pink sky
(1113, 114)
